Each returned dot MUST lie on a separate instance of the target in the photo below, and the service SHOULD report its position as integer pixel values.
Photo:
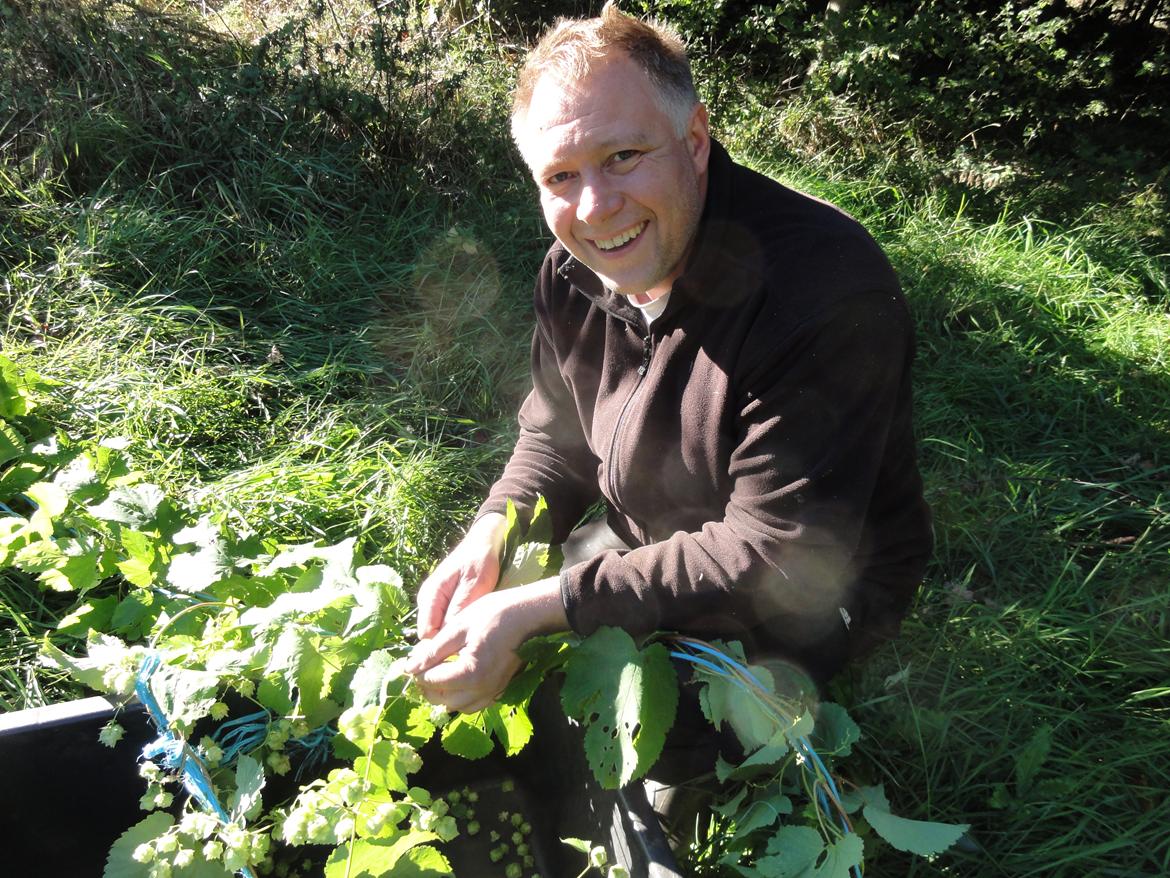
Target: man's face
(619, 187)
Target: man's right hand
(468, 573)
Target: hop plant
(111, 734)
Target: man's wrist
(536, 609)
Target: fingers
(435, 650)
(434, 597)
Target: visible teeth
(622, 238)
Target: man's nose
(597, 202)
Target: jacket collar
(711, 266)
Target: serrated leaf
(11, 443)
(192, 572)
(51, 502)
(421, 862)
(120, 862)
(761, 813)
(540, 528)
(627, 699)
(249, 783)
(530, 563)
(467, 736)
(301, 603)
(724, 700)
(913, 836)
(373, 857)
(1031, 758)
(96, 614)
(359, 725)
(185, 695)
(840, 858)
(131, 611)
(835, 731)
(372, 678)
(77, 573)
(136, 506)
(792, 852)
(138, 566)
(388, 765)
(510, 724)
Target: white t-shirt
(654, 308)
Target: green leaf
(300, 603)
(510, 724)
(192, 572)
(246, 801)
(840, 857)
(51, 502)
(913, 836)
(421, 862)
(467, 736)
(374, 857)
(1031, 758)
(138, 566)
(134, 505)
(359, 726)
(540, 528)
(11, 443)
(627, 699)
(96, 614)
(723, 700)
(120, 862)
(131, 611)
(184, 694)
(530, 563)
(761, 813)
(18, 388)
(103, 652)
(388, 765)
(793, 851)
(372, 678)
(835, 732)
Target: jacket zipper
(611, 478)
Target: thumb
(428, 653)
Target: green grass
(316, 330)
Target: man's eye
(624, 155)
(558, 178)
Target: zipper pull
(645, 356)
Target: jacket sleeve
(551, 457)
(822, 444)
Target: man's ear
(698, 138)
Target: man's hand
(467, 574)
(484, 637)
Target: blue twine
(176, 755)
(240, 735)
(805, 746)
(315, 746)
(711, 666)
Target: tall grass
(313, 325)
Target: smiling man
(724, 361)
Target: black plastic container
(65, 797)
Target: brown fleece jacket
(754, 443)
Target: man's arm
(823, 448)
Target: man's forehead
(559, 96)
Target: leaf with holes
(627, 699)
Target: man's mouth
(623, 239)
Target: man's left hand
(483, 638)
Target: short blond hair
(570, 47)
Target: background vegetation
(284, 249)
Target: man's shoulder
(795, 223)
